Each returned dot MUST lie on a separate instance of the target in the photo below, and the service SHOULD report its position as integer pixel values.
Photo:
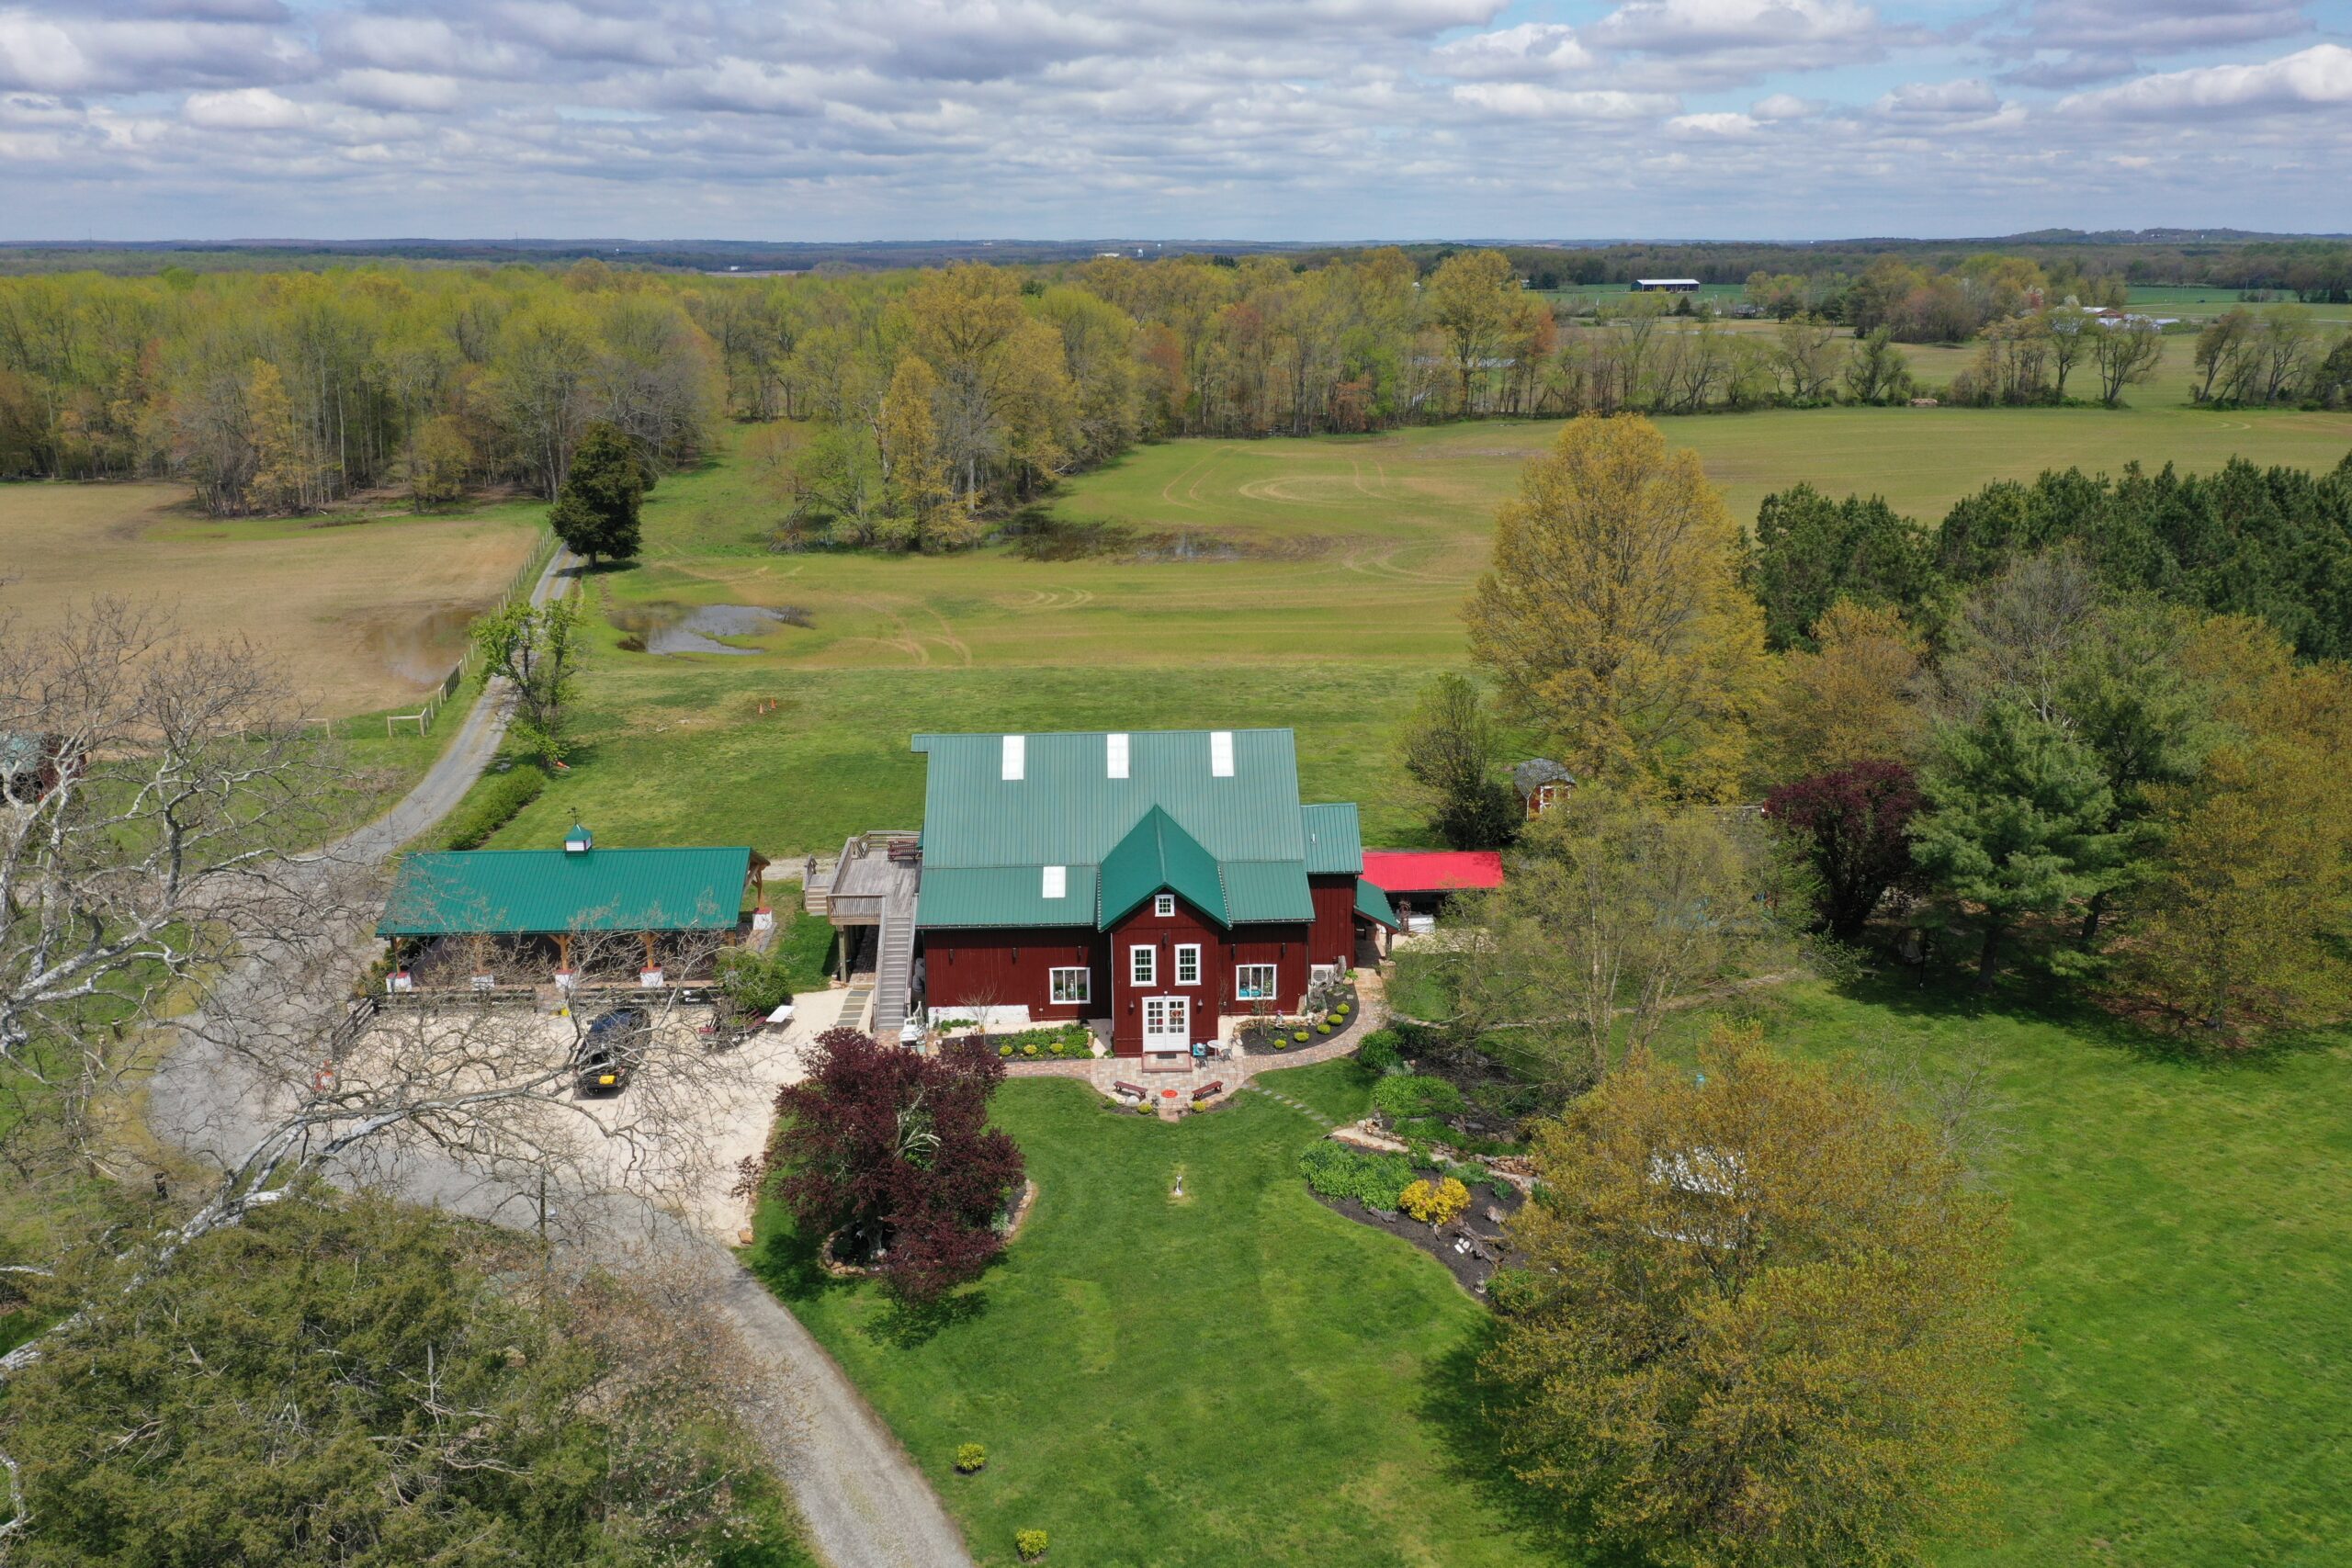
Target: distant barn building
(1664, 285)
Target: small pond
(664, 627)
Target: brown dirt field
(364, 612)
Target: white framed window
(1188, 965)
(1143, 965)
(1254, 982)
(1163, 905)
(1069, 985)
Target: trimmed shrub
(1374, 1180)
(1299, 1035)
(1029, 1049)
(1004, 1050)
(1437, 1202)
(490, 807)
(1379, 1052)
(971, 1459)
(1030, 1544)
(1322, 1029)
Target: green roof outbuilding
(548, 892)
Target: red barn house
(1159, 882)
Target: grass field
(1237, 1377)
(361, 612)
(2204, 303)
(2184, 1258)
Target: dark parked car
(610, 1050)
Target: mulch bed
(1470, 1271)
(1255, 1040)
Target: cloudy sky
(1226, 118)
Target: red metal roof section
(1434, 871)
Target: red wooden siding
(1008, 968)
(1334, 941)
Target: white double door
(1167, 1023)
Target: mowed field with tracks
(1310, 583)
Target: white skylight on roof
(1221, 753)
(1016, 756)
(1115, 756)
(1057, 882)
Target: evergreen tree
(596, 513)
(2016, 822)
(1811, 551)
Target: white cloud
(1526, 100)
(1969, 95)
(1694, 27)
(2319, 75)
(1530, 50)
(404, 91)
(243, 108)
(2155, 26)
(1783, 105)
(1711, 125)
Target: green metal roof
(1158, 854)
(1372, 902)
(1334, 841)
(1267, 890)
(1067, 810)
(1003, 895)
(511, 892)
(1234, 843)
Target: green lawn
(1247, 1379)
(2184, 1254)
(1239, 1378)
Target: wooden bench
(1134, 1088)
(1207, 1089)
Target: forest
(919, 406)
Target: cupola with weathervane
(579, 841)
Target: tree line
(2087, 721)
(286, 392)
(917, 405)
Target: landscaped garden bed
(1330, 1013)
(1383, 1191)
(1055, 1042)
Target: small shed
(1541, 783)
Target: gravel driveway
(867, 1505)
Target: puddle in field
(662, 627)
(417, 642)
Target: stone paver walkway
(1307, 1111)
(1372, 1012)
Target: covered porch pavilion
(575, 916)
